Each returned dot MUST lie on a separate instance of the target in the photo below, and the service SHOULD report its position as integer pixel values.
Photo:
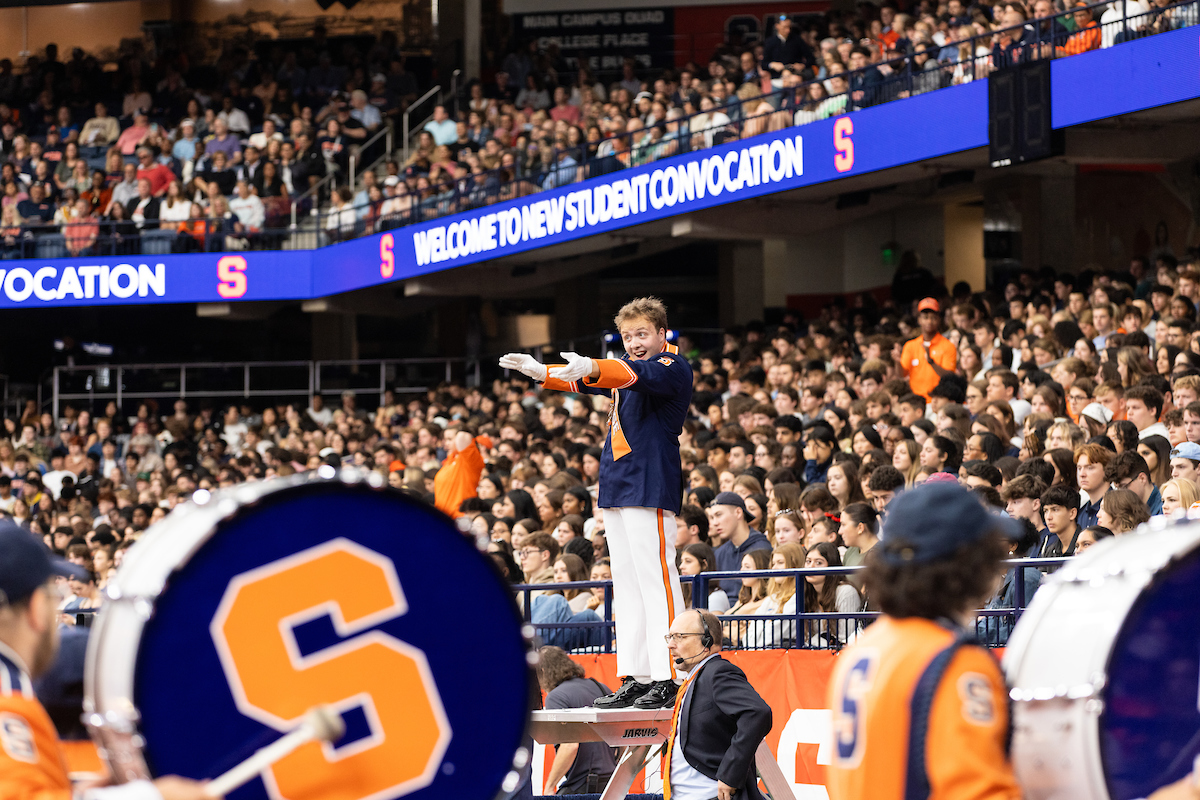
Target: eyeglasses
(672, 638)
(525, 552)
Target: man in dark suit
(143, 209)
(783, 50)
(719, 719)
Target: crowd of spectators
(536, 123)
(1069, 401)
(194, 156)
(207, 157)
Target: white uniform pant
(646, 596)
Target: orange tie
(671, 737)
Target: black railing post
(1019, 597)
(610, 627)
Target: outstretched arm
(559, 377)
(666, 374)
(525, 364)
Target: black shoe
(630, 691)
(661, 695)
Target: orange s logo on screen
(231, 272)
(843, 129)
(387, 255)
(274, 683)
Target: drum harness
(917, 782)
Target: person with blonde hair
(750, 597)
(1178, 494)
(780, 599)
(640, 477)
(1065, 434)
(755, 110)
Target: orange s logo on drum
(272, 682)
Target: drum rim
(114, 721)
(1083, 571)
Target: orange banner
(793, 682)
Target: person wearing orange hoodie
(458, 477)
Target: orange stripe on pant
(662, 559)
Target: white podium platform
(635, 734)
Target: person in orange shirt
(31, 760)
(920, 711)
(929, 357)
(1087, 33)
(458, 477)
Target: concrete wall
(1117, 214)
(964, 245)
(849, 259)
(213, 10)
(92, 26)
(100, 27)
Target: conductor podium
(635, 734)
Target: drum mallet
(321, 723)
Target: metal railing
(382, 133)
(454, 89)
(313, 195)
(96, 385)
(800, 629)
(100, 237)
(405, 134)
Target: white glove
(577, 368)
(524, 364)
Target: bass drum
(1105, 669)
(246, 607)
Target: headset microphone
(706, 641)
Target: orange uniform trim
(662, 560)
(614, 374)
(31, 761)
(557, 384)
(620, 445)
(670, 746)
